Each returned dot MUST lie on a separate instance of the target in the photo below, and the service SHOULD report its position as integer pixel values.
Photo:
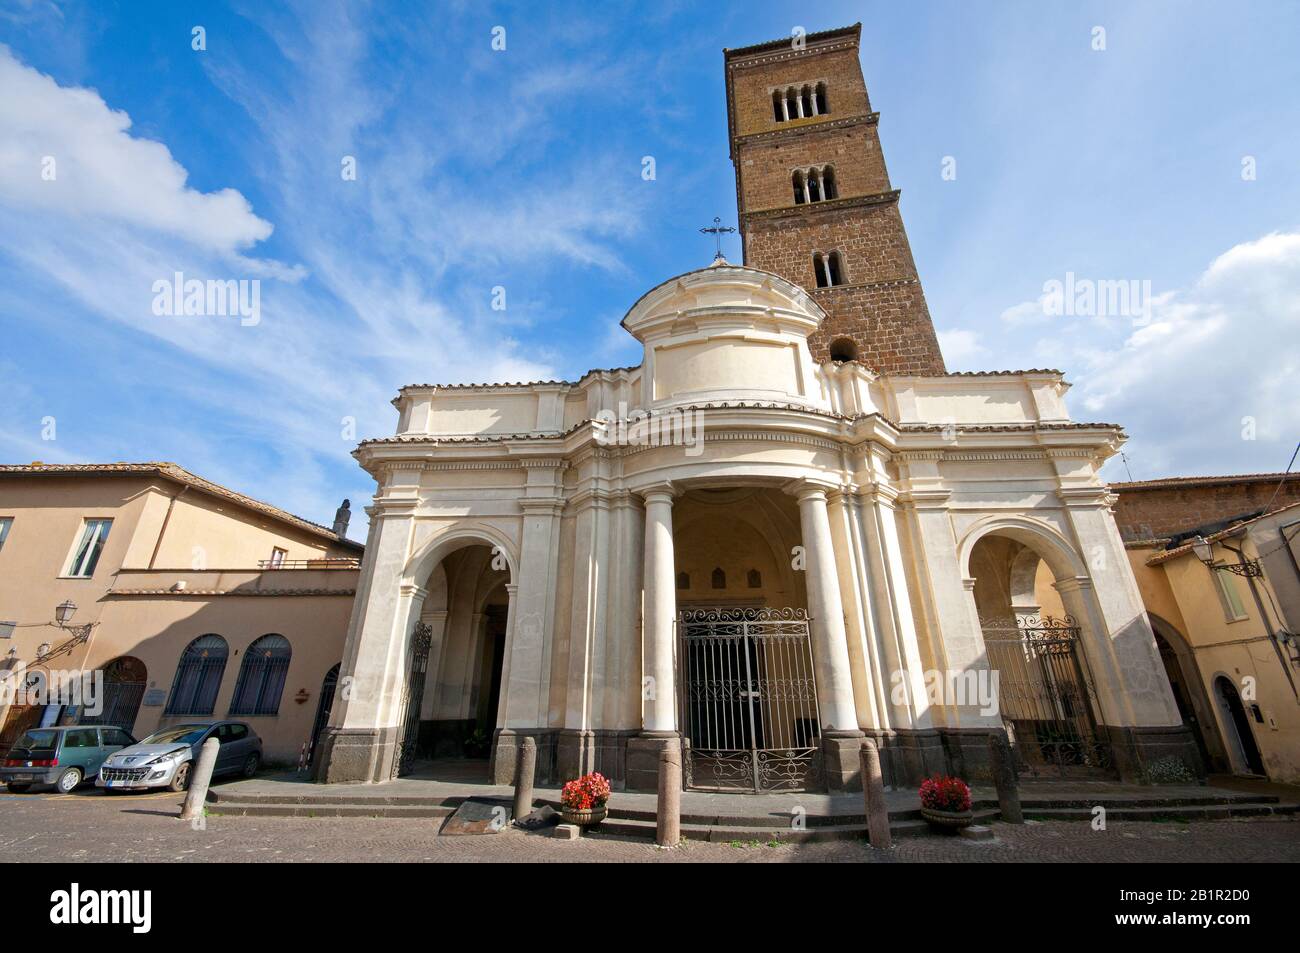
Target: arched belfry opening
(1046, 692)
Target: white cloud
(1216, 360)
(100, 171)
(960, 348)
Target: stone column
(841, 736)
(526, 674)
(359, 742)
(659, 611)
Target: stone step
(726, 834)
(246, 809)
(348, 800)
(1199, 812)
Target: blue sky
(522, 169)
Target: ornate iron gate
(412, 699)
(1045, 696)
(749, 700)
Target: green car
(62, 757)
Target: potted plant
(945, 803)
(583, 800)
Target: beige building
(194, 601)
(1224, 603)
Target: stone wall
(1155, 509)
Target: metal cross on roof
(717, 230)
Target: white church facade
(814, 554)
(784, 531)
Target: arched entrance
(1236, 724)
(1189, 693)
(1046, 693)
(125, 680)
(456, 657)
(747, 691)
(323, 707)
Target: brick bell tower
(815, 202)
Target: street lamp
(64, 611)
(1204, 551)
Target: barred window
(262, 676)
(198, 676)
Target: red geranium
(942, 793)
(588, 791)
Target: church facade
(784, 531)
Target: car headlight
(164, 759)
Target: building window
(198, 677)
(799, 102)
(828, 269)
(719, 579)
(277, 556)
(262, 676)
(683, 580)
(843, 349)
(86, 555)
(813, 185)
(1229, 598)
(5, 523)
(754, 579)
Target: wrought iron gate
(749, 700)
(412, 699)
(1045, 696)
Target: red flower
(586, 792)
(943, 793)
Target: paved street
(89, 826)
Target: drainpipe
(1263, 614)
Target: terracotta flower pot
(589, 817)
(947, 820)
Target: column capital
(1072, 584)
(805, 489)
(664, 492)
(411, 589)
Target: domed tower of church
(815, 202)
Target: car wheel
(18, 787)
(68, 781)
(181, 779)
(251, 764)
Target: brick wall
(881, 305)
(1162, 508)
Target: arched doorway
(1046, 692)
(323, 708)
(1189, 693)
(456, 659)
(1237, 726)
(747, 690)
(125, 680)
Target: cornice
(815, 209)
(785, 131)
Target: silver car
(163, 759)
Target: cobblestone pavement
(89, 826)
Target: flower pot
(588, 817)
(947, 820)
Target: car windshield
(181, 734)
(37, 739)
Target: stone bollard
(525, 769)
(1004, 779)
(668, 827)
(873, 795)
(200, 777)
